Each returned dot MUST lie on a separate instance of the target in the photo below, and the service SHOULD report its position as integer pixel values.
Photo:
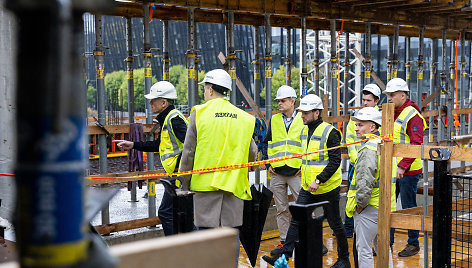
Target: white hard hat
(310, 102)
(162, 89)
(373, 88)
(369, 114)
(218, 77)
(285, 92)
(396, 84)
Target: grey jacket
(188, 152)
(366, 168)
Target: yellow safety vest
(401, 137)
(224, 135)
(352, 137)
(285, 143)
(313, 164)
(170, 147)
(374, 196)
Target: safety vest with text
(285, 143)
(170, 147)
(374, 196)
(224, 135)
(400, 135)
(313, 164)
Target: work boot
(409, 250)
(273, 259)
(325, 250)
(342, 263)
(277, 250)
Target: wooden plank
(106, 229)
(115, 177)
(454, 111)
(337, 119)
(117, 129)
(411, 222)
(324, 112)
(386, 154)
(243, 90)
(209, 248)
(414, 151)
(430, 98)
(372, 72)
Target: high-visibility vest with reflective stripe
(224, 135)
(352, 137)
(374, 196)
(313, 164)
(170, 147)
(401, 137)
(285, 143)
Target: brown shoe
(409, 250)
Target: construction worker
(219, 134)
(169, 144)
(370, 98)
(363, 195)
(408, 128)
(321, 178)
(282, 139)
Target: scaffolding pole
(346, 84)
(191, 59)
(230, 51)
(450, 93)
(316, 62)
(432, 84)
(420, 62)
(470, 87)
(268, 73)
(288, 63)
(443, 80)
(389, 58)
(407, 61)
(367, 53)
(303, 67)
(395, 60)
(334, 69)
(462, 96)
(165, 50)
(129, 68)
(257, 86)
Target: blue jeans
(408, 188)
(331, 212)
(166, 215)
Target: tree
(91, 95)
(179, 78)
(278, 79)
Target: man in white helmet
(321, 178)
(169, 144)
(408, 128)
(219, 134)
(363, 195)
(282, 139)
(370, 98)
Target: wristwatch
(317, 181)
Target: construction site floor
(271, 239)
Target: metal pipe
(368, 53)
(462, 95)
(450, 93)
(129, 65)
(165, 51)
(191, 58)
(420, 62)
(268, 72)
(334, 69)
(149, 114)
(443, 80)
(195, 46)
(389, 58)
(231, 55)
(395, 51)
(99, 55)
(346, 83)
(257, 86)
(316, 62)
(470, 87)
(303, 67)
(288, 63)
(51, 162)
(407, 61)
(432, 84)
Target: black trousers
(331, 212)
